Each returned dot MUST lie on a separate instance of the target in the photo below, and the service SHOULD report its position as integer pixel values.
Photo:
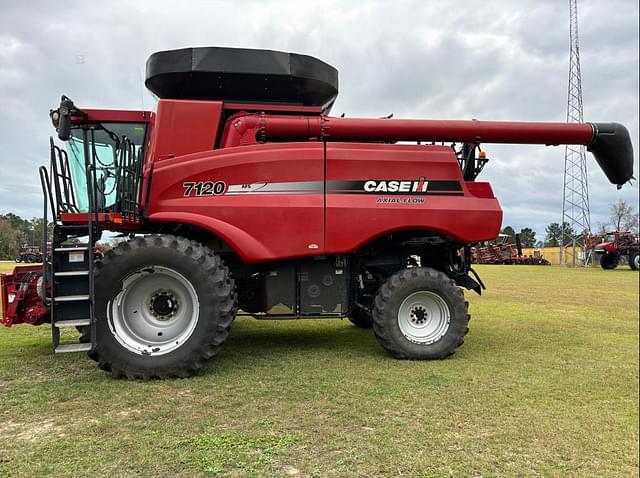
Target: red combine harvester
(241, 196)
(613, 246)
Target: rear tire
(609, 261)
(361, 318)
(420, 314)
(173, 315)
(634, 261)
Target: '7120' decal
(204, 188)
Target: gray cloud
(422, 59)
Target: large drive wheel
(361, 318)
(634, 260)
(420, 314)
(164, 305)
(609, 261)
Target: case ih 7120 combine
(241, 196)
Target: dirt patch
(290, 470)
(127, 412)
(30, 432)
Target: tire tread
(221, 297)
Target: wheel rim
(424, 317)
(636, 261)
(155, 312)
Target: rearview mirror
(64, 118)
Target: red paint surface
(187, 142)
(117, 116)
(183, 127)
(252, 127)
(355, 219)
(278, 226)
(259, 228)
(27, 306)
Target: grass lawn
(545, 385)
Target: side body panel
(360, 208)
(271, 206)
(268, 201)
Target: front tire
(609, 261)
(634, 261)
(420, 314)
(164, 306)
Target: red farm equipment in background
(612, 247)
(29, 254)
(501, 251)
(240, 196)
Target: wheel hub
(424, 317)
(163, 305)
(419, 315)
(155, 312)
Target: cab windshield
(104, 146)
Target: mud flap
(463, 280)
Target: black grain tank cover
(242, 75)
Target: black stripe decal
(453, 188)
(416, 188)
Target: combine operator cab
(92, 183)
(240, 195)
(101, 167)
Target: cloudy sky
(500, 60)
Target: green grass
(545, 385)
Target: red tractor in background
(29, 254)
(613, 246)
(241, 196)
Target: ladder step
(72, 323)
(71, 249)
(70, 298)
(61, 349)
(71, 273)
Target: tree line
(622, 217)
(16, 233)
(528, 236)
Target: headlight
(11, 297)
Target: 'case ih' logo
(396, 186)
